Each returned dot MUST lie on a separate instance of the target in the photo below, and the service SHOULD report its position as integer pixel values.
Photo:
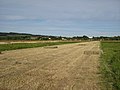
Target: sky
(61, 17)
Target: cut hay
(81, 44)
(17, 62)
(52, 47)
(91, 52)
(101, 52)
(8, 42)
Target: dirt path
(68, 67)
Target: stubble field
(62, 67)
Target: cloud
(11, 17)
(57, 16)
(63, 9)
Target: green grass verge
(110, 65)
(4, 47)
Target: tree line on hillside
(106, 38)
(24, 36)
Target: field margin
(110, 65)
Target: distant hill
(25, 36)
(17, 34)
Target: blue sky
(61, 17)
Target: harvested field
(63, 68)
(12, 42)
(24, 41)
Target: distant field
(110, 65)
(14, 46)
(27, 41)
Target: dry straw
(91, 52)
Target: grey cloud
(61, 16)
(64, 9)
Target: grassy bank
(15, 46)
(110, 65)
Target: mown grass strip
(110, 64)
(4, 47)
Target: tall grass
(14, 46)
(110, 64)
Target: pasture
(110, 64)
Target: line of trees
(106, 38)
(22, 36)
